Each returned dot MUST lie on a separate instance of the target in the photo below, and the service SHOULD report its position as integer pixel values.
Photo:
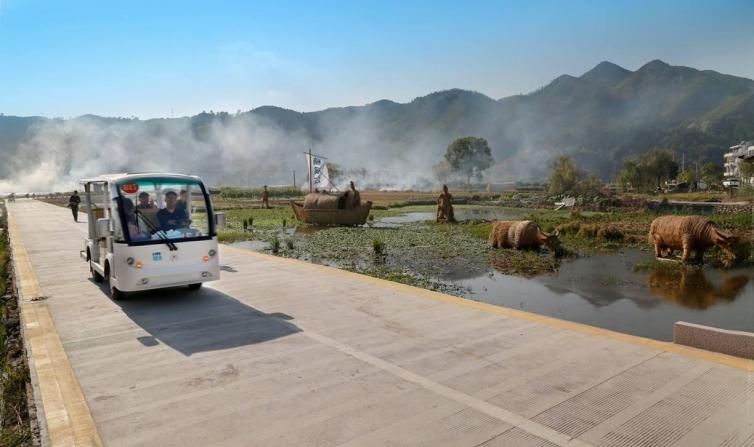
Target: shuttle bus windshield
(153, 210)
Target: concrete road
(282, 353)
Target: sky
(176, 58)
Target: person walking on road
(73, 204)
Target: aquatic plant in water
(275, 244)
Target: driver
(172, 217)
(145, 202)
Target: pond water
(487, 213)
(601, 289)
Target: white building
(740, 153)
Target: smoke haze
(244, 150)
(599, 119)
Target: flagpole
(310, 169)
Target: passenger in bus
(182, 200)
(171, 217)
(145, 202)
(132, 222)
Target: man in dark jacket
(171, 217)
(73, 204)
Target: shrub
(228, 236)
(610, 233)
(588, 230)
(571, 227)
(378, 246)
(289, 244)
(275, 244)
(744, 252)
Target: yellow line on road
(723, 359)
(66, 414)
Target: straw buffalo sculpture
(522, 234)
(689, 233)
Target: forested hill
(600, 117)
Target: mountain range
(599, 118)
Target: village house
(739, 153)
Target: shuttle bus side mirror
(103, 228)
(220, 221)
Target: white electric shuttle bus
(149, 231)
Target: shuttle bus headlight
(130, 261)
(212, 253)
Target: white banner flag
(318, 172)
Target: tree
(442, 171)
(631, 175)
(588, 185)
(660, 165)
(712, 173)
(649, 170)
(564, 175)
(688, 176)
(746, 171)
(469, 156)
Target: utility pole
(294, 178)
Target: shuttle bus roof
(110, 178)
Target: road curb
(65, 418)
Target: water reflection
(461, 214)
(604, 290)
(692, 288)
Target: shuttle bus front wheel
(116, 294)
(195, 286)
